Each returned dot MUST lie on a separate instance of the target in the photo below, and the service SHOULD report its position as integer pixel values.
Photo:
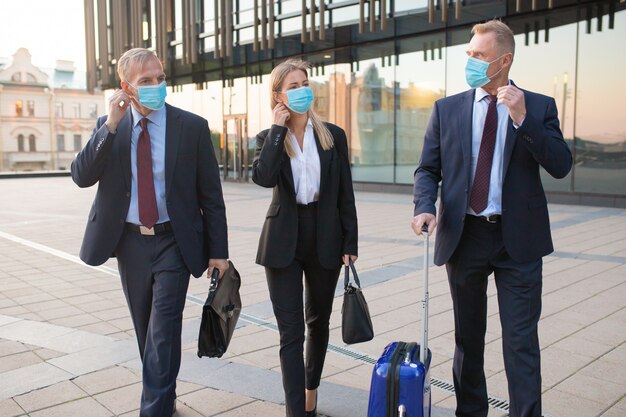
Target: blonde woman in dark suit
(310, 228)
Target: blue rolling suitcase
(401, 377)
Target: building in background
(378, 67)
(46, 115)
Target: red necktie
(148, 212)
(482, 177)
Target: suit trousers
(480, 253)
(285, 287)
(155, 280)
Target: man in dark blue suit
(486, 147)
(159, 209)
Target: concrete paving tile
(581, 345)
(101, 328)
(559, 403)
(209, 402)
(78, 320)
(79, 408)
(18, 360)
(617, 355)
(263, 408)
(46, 354)
(599, 390)
(97, 358)
(56, 313)
(106, 379)
(49, 396)
(10, 347)
(121, 400)
(359, 376)
(28, 378)
(558, 365)
(9, 408)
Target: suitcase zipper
(393, 380)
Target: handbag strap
(346, 279)
(213, 286)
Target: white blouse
(305, 167)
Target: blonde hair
(132, 57)
(504, 35)
(277, 78)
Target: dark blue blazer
(337, 231)
(446, 159)
(192, 184)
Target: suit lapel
(124, 129)
(286, 167)
(173, 127)
(325, 158)
(466, 119)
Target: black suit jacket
(446, 157)
(193, 190)
(337, 232)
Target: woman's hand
(280, 114)
(347, 258)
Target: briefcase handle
(213, 286)
(346, 279)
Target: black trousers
(155, 280)
(285, 287)
(480, 253)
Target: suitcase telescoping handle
(424, 347)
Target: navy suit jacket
(192, 184)
(446, 158)
(337, 232)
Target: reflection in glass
(419, 84)
(372, 116)
(600, 129)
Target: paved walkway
(67, 346)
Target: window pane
(32, 143)
(77, 143)
(20, 143)
(60, 143)
(19, 111)
(600, 133)
(372, 116)
(31, 108)
(416, 96)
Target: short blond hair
(504, 35)
(132, 57)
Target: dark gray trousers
(480, 253)
(155, 280)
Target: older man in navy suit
(159, 209)
(486, 147)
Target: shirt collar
(155, 116)
(481, 94)
(309, 123)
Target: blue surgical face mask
(300, 99)
(476, 71)
(152, 96)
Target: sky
(49, 29)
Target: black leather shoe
(311, 413)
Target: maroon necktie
(148, 212)
(482, 177)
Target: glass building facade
(378, 68)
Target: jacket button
(121, 221)
(127, 194)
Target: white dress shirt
(481, 105)
(305, 166)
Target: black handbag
(220, 313)
(356, 323)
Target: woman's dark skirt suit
(304, 238)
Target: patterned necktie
(148, 212)
(482, 177)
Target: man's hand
(513, 98)
(424, 219)
(118, 103)
(220, 264)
